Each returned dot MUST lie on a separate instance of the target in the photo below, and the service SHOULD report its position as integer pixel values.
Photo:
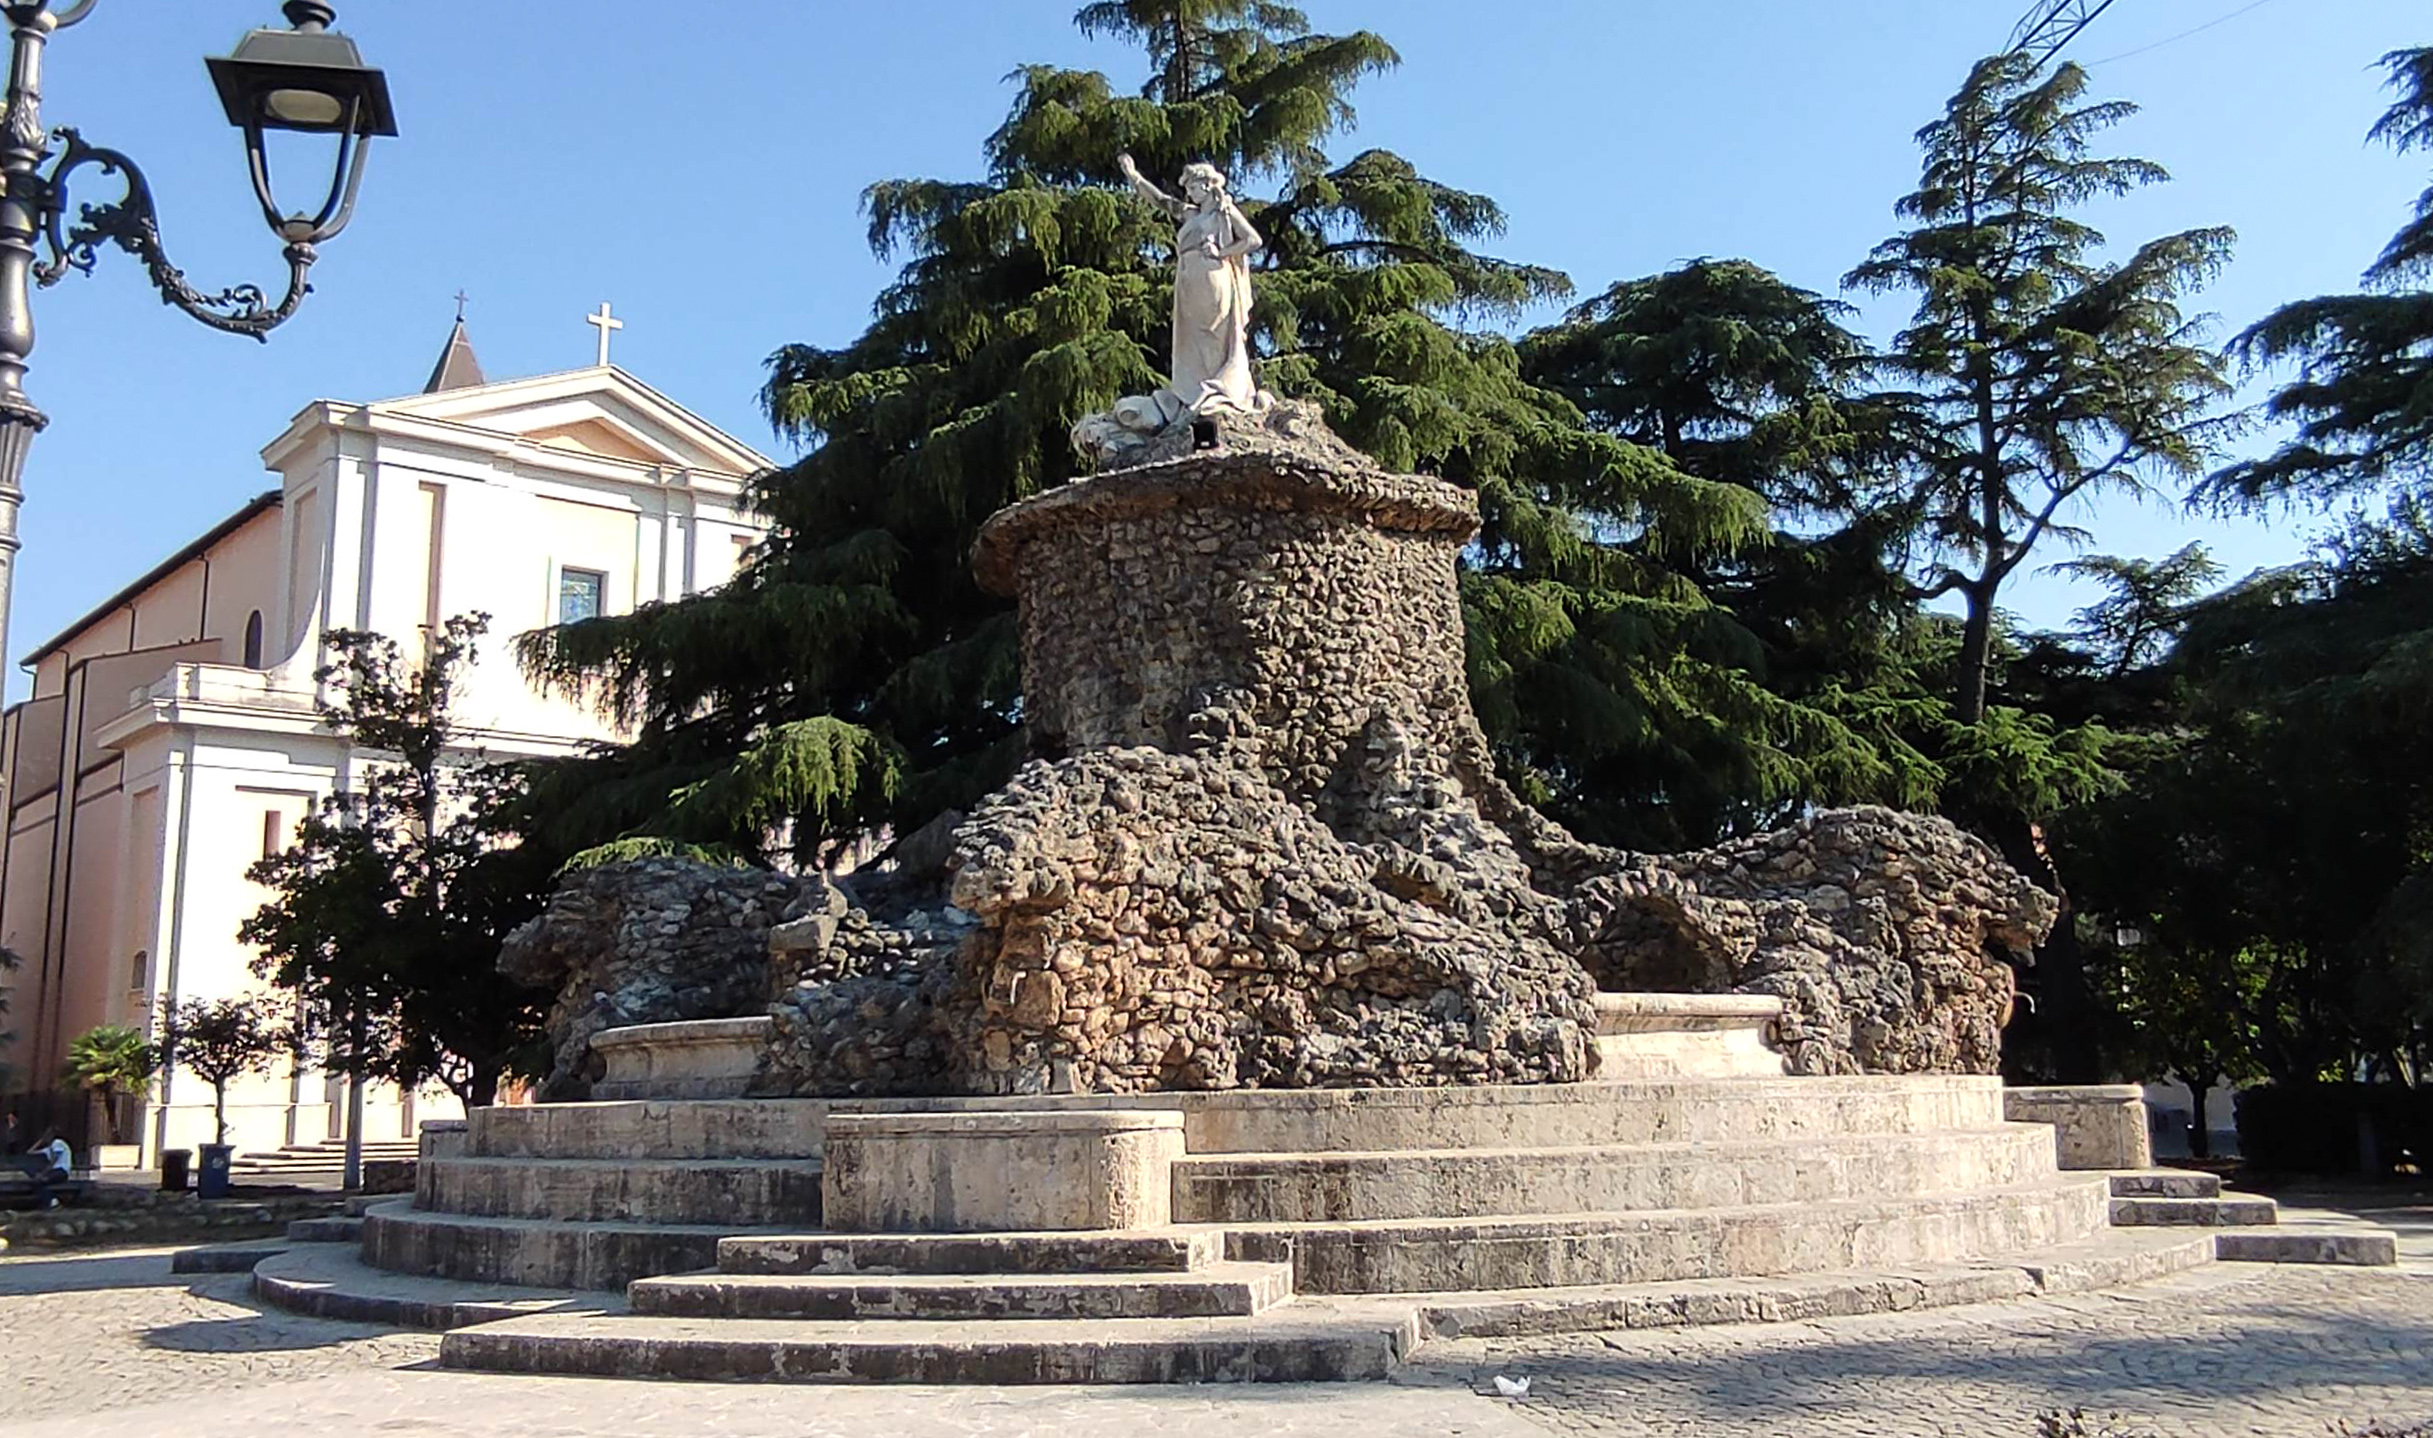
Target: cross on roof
(606, 325)
(461, 299)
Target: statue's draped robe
(1211, 316)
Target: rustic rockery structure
(1262, 843)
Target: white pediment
(601, 413)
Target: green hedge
(2325, 1128)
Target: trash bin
(211, 1180)
(173, 1169)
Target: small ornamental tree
(220, 1041)
(110, 1061)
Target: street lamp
(309, 79)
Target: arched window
(253, 641)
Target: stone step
(2357, 1247)
(1296, 1120)
(1299, 1342)
(1304, 1340)
(223, 1257)
(325, 1230)
(685, 1128)
(737, 1192)
(1569, 1250)
(1220, 1290)
(2108, 1260)
(325, 1282)
(2165, 1183)
(1343, 1187)
(533, 1252)
(2228, 1210)
(1164, 1250)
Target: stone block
(2166, 1183)
(943, 1172)
(691, 1059)
(1289, 1345)
(2229, 1210)
(2094, 1125)
(747, 1191)
(1667, 1036)
(1223, 1290)
(2357, 1248)
(1166, 1250)
(388, 1175)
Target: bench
(17, 1185)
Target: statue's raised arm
(1147, 190)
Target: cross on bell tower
(607, 326)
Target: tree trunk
(219, 1112)
(2200, 1133)
(1976, 655)
(481, 1090)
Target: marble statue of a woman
(1212, 246)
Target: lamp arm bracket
(133, 224)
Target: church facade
(172, 739)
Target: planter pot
(118, 1155)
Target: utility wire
(2184, 34)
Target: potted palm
(111, 1062)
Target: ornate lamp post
(309, 79)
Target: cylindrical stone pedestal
(1318, 600)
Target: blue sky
(700, 166)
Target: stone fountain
(1255, 1029)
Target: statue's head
(1203, 182)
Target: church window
(140, 975)
(253, 640)
(579, 594)
(273, 830)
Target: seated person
(51, 1161)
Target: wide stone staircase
(311, 1165)
(1309, 1234)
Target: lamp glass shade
(308, 80)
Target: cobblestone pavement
(2232, 1349)
(114, 1346)
(83, 1331)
